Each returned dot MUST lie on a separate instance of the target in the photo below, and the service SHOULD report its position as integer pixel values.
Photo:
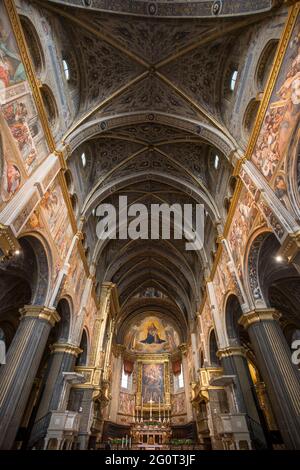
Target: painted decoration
(152, 335)
(153, 383)
(241, 226)
(11, 67)
(21, 130)
(178, 404)
(126, 404)
(282, 115)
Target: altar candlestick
(142, 411)
(151, 408)
(159, 409)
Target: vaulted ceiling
(153, 77)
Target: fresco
(178, 404)
(56, 213)
(151, 335)
(76, 278)
(11, 67)
(21, 131)
(153, 383)
(242, 223)
(126, 404)
(282, 115)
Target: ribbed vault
(151, 123)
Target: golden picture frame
(157, 388)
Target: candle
(151, 408)
(159, 408)
(142, 411)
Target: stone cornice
(65, 348)
(231, 351)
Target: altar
(151, 426)
(151, 435)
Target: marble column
(234, 362)
(280, 375)
(22, 362)
(86, 418)
(63, 358)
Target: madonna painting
(153, 383)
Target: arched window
(216, 162)
(250, 116)
(265, 63)
(126, 380)
(74, 202)
(233, 80)
(50, 105)
(83, 160)
(66, 69)
(33, 44)
(2, 347)
(82, 358)
(213, 348)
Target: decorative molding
(176, 9)
(231, 351)
(259, 315)
(25, 56)
(290, 247)
(35, 87)
(65, 348)
(40, 313)
(9, 244)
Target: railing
(64, 421)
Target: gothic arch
(82, 359)
(233, 312)
(213, 348)
(42, 269)
(64, 327)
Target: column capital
(118, 349)
(65, 348)
(231, 351)
(259, 315)
(291, 246)
(40, 312)
(183, 348)
(9, 244)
